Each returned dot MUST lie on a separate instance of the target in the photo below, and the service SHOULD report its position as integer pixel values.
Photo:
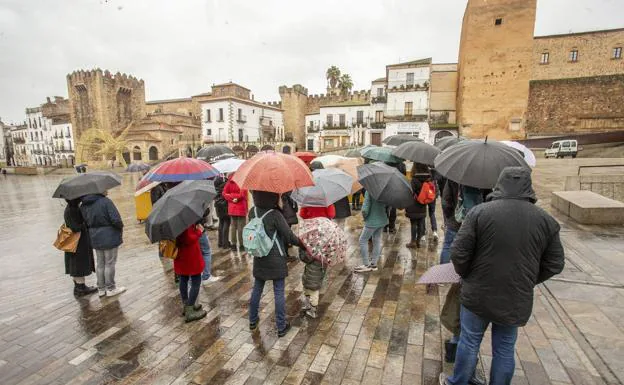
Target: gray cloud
(181, 48)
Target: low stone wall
(610, 186)
(29, 170)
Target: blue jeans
(368, 233)
(280, 302)
(431, 208)
(449, 237)
(204, 245)
(503, 343)
(189, 295)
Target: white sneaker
(101, 293)
(423, 240)
(362, 269)
(435, 237)
(212, 279)
(115, 291)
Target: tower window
(498, 21)
(574, 55)
(545, 57)
(617, 52)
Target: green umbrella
(382, 154)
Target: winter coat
(272, 266)
(289, 209)
(80, 263)
(343, 208)
(190, 260)
(103, 220)
(449, 202)
(318, 212)
(374, 212)
(313, 272)
(417, 210)
(157, 192)
(220, 203)
(504, 248)
(231, 191)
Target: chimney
(252, 97)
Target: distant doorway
(376, 138)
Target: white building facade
(64, 144)
(21, 145)
(338, 125)
(40, 138)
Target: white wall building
(338, 125)
(64, 144)
(21, 145)
(231, 115)
(40, 138)
(313, 132)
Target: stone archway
(267, 147)
(441, 134)
(126, 155)
(136, 153)
(153, 153)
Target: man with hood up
(504, 248)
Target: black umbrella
(447, 142)
(214, 153)
(477, 163)
(138, 167)
(397, 140)
(386, 184)
(179, 208)
(96, 182)
(419, 152)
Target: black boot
(81, 289)
(450, 350)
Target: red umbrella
(274, 172)
(180, 169)
(307, 157)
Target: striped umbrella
(180, 169)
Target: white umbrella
(228, 165)
(330, 185)
(328, 160)
(528, 155)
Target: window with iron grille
(360, 117)
(617, 52)
(545, 57)
(574, 55)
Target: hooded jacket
(504, 248)
(221, 205)
(374, 212)
(231, 191)
(272, 266)
(190, 260)
(103, 220)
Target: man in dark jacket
(221, 207)
(106, 229)
(450, 193)
(503, 249)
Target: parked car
(562, 148)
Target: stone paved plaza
(374, 328)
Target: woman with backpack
(237, 210)
(272, 266)
(189, 266)
(417, 213)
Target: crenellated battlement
(273, 104)
(117, 80)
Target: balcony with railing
(404, 85)
(379, 99)
(19, 140)
(312, 128)
(241, 119)
(335, 126)
(359, 124)
(378, 125)
(415, 115)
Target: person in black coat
(221, 207)
(289, 209)
(417, 213)
(504, 248)
(392, 211)
(343, 210)
(81, 263)
(272, 267)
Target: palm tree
(102, 144)
(345, 83)
(333, 76)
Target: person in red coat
(189, 266)
(317, 212)
(237, 210)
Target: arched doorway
(286, 149)
(440, 135)
(153, 153)
(267, 147)
(136, 153)
(126, 155)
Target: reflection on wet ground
(373, 328)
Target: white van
(562, 148)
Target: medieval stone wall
(579, 105)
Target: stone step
(588, 208)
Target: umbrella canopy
(214, 153)
(329, 160)
(386, 184)
(419, 152)
(179, 208)
(148, 187)
(305, 156)
(96, 182)
(357, 153)
(397, 140)
(274, 172)
(226, 166)
(447, 142)
(382, 154)
(181, 169)
(528, 155)
(350, 165)
(477, 163)
(138, 167)
(444, 273)
(324, 240)
(330, 185)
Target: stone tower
(101, 100)
(294, 103)
(496, 49)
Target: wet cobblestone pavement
(373, 328)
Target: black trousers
(417, 227)
(355, 198)
(391, 212)
(224, 231)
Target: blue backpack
(255, 238)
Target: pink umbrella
(324, 240)
(444, 273)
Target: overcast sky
(182, 47)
